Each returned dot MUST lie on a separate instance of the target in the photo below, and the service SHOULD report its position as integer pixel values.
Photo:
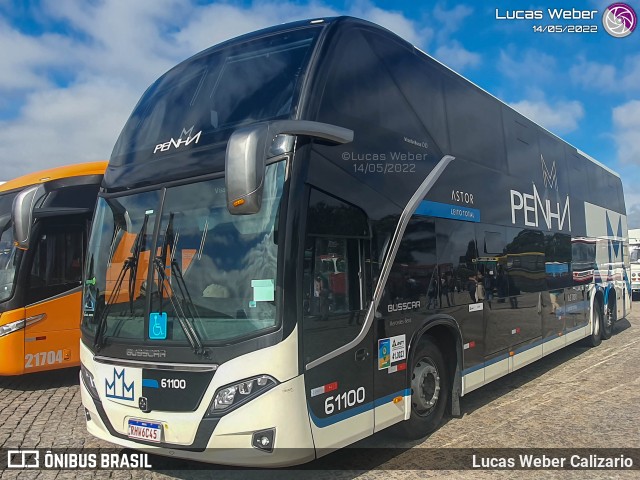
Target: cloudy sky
(72, 70)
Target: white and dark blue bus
(313, 232)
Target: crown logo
(118, 388)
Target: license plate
(143, 430)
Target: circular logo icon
(619, 20)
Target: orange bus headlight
(11, 327)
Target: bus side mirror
(22, 214)
(248, 150)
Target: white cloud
(394, 21)
(64, 126)
(626, 124)
(212, 24)
(631, 73)
(450, 20)
(457, 57)
(531, 65)
(23, 58)
(607, 77)
(111, 50)
(560, 117)
(593, 74)
(632, 202)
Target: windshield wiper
(130, 265)
(186, 319)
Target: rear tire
(595, 338)
(608, 319)
(430, 387)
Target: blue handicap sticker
(158, 326)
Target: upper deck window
(221, 88)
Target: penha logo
(619, 20)
(186, 137)
(118, 387)
(533, 206)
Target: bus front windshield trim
(213, 274)
(9, 254)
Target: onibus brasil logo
(619, 20)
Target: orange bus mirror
(22, 214)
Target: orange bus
(44, 224)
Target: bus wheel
(429, 391)
(595, 338)
(609, 319)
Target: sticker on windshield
(158, 326)
(263, 290)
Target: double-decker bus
(44, 231)
(246, 167)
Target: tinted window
(475, 124)
(577, 172)
(414, 275)
(525, 261)
(81, 196)
(8, 252)
(583, 258)
(361, 86)
(238, 84)
(335, 272)
(553, 165)
(329, 216)
(604, 188)
(521, 136)
(419, 82)
(57, 262)
(493, 243)
(558, 260)
(457, 258)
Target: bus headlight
(11, 327)
(89, 382)
(231, 396)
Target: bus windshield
(635, 254)
(211, 271)
(8, 252)
(218, 90)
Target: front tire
(430, 387)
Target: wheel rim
(425, 386)
(596, 326)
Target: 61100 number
(335, 403)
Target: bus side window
(458, 259)
(56, 263)
(334, 297)
(414, 276)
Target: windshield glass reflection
(213, 274)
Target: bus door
(54, 294)
(337, 352)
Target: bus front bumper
(281, 410)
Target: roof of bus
(77, 170)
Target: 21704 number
(42, 358)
